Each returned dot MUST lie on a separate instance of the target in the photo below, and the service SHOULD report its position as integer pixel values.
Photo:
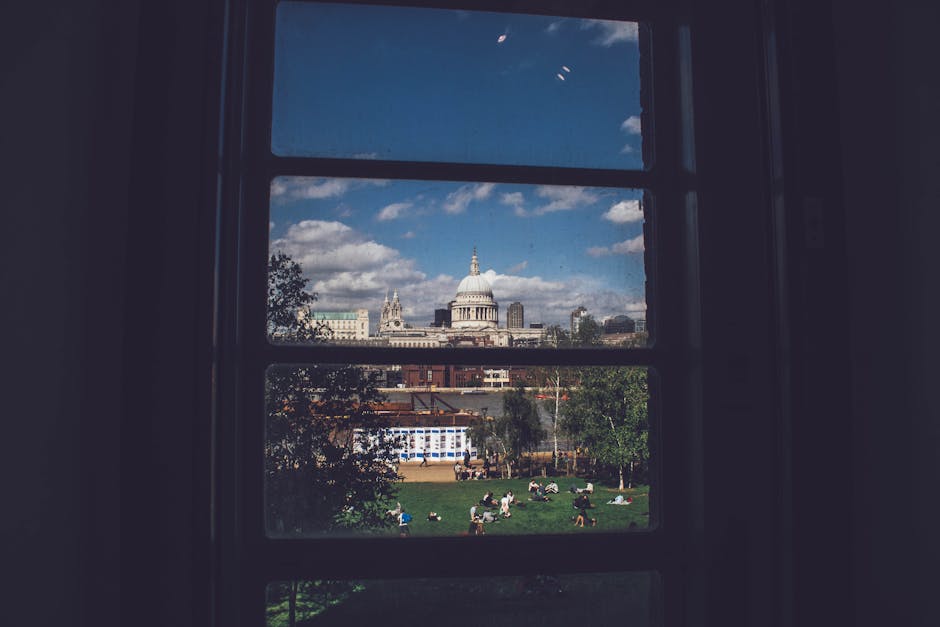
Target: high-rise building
(576, 316)
(515, 316)
(441, 318)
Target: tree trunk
(508, 470)
(292, 605)
(631, 473)
(555, 419)
(620, 470)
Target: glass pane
(399, 450)
(417, 84)
(435, 264)
(626, 599)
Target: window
(364, 142)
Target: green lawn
(453, 501)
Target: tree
(328, 460)
(557, 381)
(517, 430)
(289, 303)
(556, 337)
(589, 332)
(609, 413)
(329, 463)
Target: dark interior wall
(66, 79)
(889, 100)
(104, 142)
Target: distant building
(515, 316)
(576, 316)
(536, 325)
(619, 324)
(441, 318)
(345, 325)
(391, 321)
(641, 326)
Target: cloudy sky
(550, 248)
(434, 85)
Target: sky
(426, 85)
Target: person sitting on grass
(533, 486)
(582, 501)
(504, 506)
(403, 519)
(489, 517)
(434, 517)
(583, 518)
(487, 500)
(476, 523)
(539, 495)
(551, 488)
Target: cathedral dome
(474, 285)
(474, 307)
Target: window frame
(248, 560)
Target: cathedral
(474, 320)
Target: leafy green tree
(329, 463)
(555, 383)
(293, 602)
(518, 429)
(556, 337)
(289, 303)
(608, 412)
(589, 332)
(328, 460)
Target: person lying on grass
(487, 500)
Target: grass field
(453, 501)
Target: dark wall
(889, 99)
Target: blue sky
(438, 85)
(418, 84)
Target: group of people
(538, 492)
(479, 517)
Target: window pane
(626, 599)
(433, 264)
(396, 450)
(416, 84)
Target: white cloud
(563, 198)
(627, 149)
(519, 267)
(310, 188)
(624, 212)
(630, 246)
(408, 235)
(392, 211)
(513, 199)
(349, 269)
(552, 28)
(632, 125)
(457, 201)
(611, 32)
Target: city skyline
(551, 248)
